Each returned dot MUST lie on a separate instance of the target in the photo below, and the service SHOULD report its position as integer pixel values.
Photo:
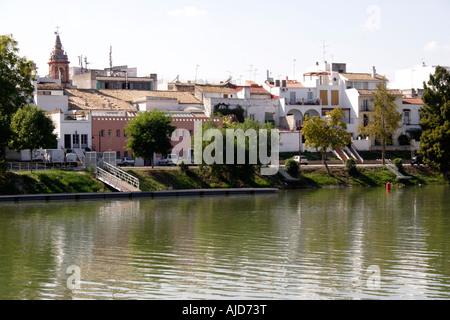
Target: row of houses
(91, 108)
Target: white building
(256, 102)
(49, 94)
(73, 129)
(411, 80)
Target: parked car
(169, 160)
(301, 159)
(126, 162)
(417, 160)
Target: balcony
(364, 108)
(76, 117)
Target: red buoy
(388, 186)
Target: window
(125, 154)
(406, 117)
(118, 154)
(324, 97)
(365, 106)
(84, 139)
(102, 133)
(310, 95)
(225, 96)
(117, 133)
(75, 139)
(109, 133)
(334, 97)
(365, 85)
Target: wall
(64, 126)
(51, 102)
(257, 107)
(85, 81)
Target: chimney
(374, 72)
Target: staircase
(80, 155)
(355, 154)
(117, 178)
(347, 153)
(341, 155)
(390, 165)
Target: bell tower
(59, 63)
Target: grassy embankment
(311, 177)
(48, 182)
(66, 181)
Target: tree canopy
(16, 88)
(384, 120)
(322, 134)
(31, 129)
(435, 121)
(149, 133)
(234, 148)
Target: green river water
(355, 243)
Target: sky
(213, 40)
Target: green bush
(292, 168)
(350, 166)
(398, 162)
(184, 167)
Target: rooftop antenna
(110, 60)
(294, 69)
(196, 69)
(86, 63)
(324, 52)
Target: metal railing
(122, 175)
(29, 166)
(109, 179)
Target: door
(293, 98)
(67, 141)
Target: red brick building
(108, 130)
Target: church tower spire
(59, 63)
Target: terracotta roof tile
(49, 86)
(361, 76)
(371, 92)
(412, 101)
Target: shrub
(398, 162)
(292, 168)
(350, 166)
(184, 167)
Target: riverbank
(80, 182)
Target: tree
(234, 156)
(435, 121)
(16, 88)
(331, 132)
(31, 129)
(385, 119)
(149, 133)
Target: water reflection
(314, 244)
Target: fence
(29, 166)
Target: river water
(354, 243)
